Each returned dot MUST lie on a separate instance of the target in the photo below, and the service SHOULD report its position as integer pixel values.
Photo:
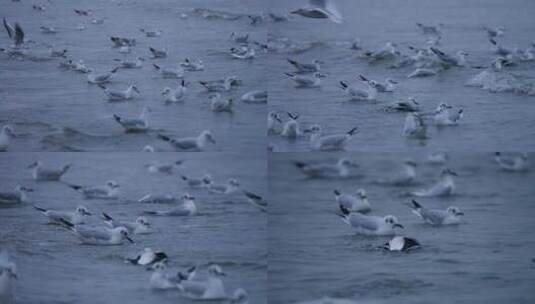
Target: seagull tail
(352, 131)
(156, 66)
(66, 223)
(163, 137)
(75, 187)
(343, 85)
(299, 164)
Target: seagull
(139, 124)
(110, 190)
(430, 29)
(326, 170)
(305, 67)
(358, 203)
(175, 95)
(406, 177)
(197, 182)
(151, 33)
(243, 53)
(274, 123)
(140, 226)
(167, 168)
(230, 187)
(187, 208)
(422, 72)
(401, 243)
(442, 117)
(118, 95)
(101, 78)
(217, 86)
(256, 200)
(15, 197)
(75, 217)
(158, 199)
(387, 87)
(81, 12)
(494, 32)
(210, 289)
(240, 39)
(319, 142)
(80, 67)
(370, 224)
(358, 94)
(192, 66)
(448, 61)
(39, 173)
(48, 29)
(169, 73)
(518, 163)
(410, 105)
(320, 9)
(190, 143)
(148, 257)
(291, 128)
(218, 104)
(130, 64)
(255, 96)
(15, 33)
(161, 280)
(437, 158)
(6, 135)
(158, 53)
(121, 41)
(98, 235)
(444, 187)
(388, 51)
(306, 81)
(450, 216)
(414, 126)
(8, 273)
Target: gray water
(491, 121)
(54, 268)
(487, 259)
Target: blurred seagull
(148, 257)
(8, 273)
(494, 32)
(217, 86)
(139, 124)
(243, 53)
(342, 168)
(444, 187)
(175, 95)
(415, 126)
(167, 168)
(151, 33)
(319, 142)
(274, 123)
(422, 72)
(256, 200)
(48, 29)
(358, 203)
(305, 67)
(187, 208)
(6, 135)
(406, 177)
(169, 73)
(291, 128)
(130, 64)
(76, 217)
(197, 182)
(388, 86)
(190, 143)
(98, 235)
(95, 78)
(191, 65)
(110, 190)
(410, 105)
(118, 95)
(39, 173)
(16, 34)
(218, 104)
(518, 163)
(306, 81)
(17, 196)
(320, 9)
(140, 226)
(442, 117)
(450, 216)
(431, 29)
(230, 187)
(370, 224)
(156, 53)
(255, 96)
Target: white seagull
(218, 104)
(302, 81)
(102, 78)
(370, 224)
(190, 143)
(175, 95)
(109, 191)
(187, 208)
(39, 173)
(156, 53)
(356, 93)
(192, 65)
(517, 163)
(148, 257)
(230, 187)
(415, 126)
(342, 168)
(169, 73)
(354, 203)
(75, 217)
(118, 95)
(17, 196)
(197, 182)
(98, 235)
(332, 142)
(291, 128)
(140, 226)
(139, 124)
(444, 187)
(131, 64)
(6, 135)
(451, 216)
(320, 9)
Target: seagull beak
(399, 225)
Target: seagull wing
(19, 34)
(358, 220)
(9, 29)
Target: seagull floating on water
(76, 217)
(108, 191)
(256, 200)
(167, 168)
(256, 96)
(17, 196)
(305, 67)
(6, 135)
(190, 143)
(131, 64)
(230, 187)
(139, 124)
(291, 128)
(140, 226)
(415, 126)
(442, 116)
(332, 142)
(451, 216)
(175, 95)
(197, 182)
(302, 81)
(358, 203)
(95, 78)
(410, 105)
(151, 33)
(218, 104)
(388, 86)
(169, 73)
(148, 257)
(8, 273)
(187, 208)
(244, 52)
(516, 163)
(274, 123)
(157, 53)
(192, 65)
(39, 173)
(359, 94)
(320, 9)
(98, 235)
(370, 224)
(118, 95)
(342, 168)
(404, 178)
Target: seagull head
(83, 211)
(455, 211)
(392, 221)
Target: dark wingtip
(344, 210)
(299, 164)
(336, 192)
(416, 204)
